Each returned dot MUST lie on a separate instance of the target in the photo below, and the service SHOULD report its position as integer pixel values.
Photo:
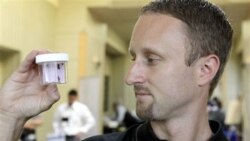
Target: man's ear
(207, 68)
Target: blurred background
(96, 35)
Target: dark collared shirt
(144, 132)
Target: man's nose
(136, 74)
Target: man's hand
(23, 96)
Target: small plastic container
(52, 68)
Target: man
(178, 57)
(73, 119)
(179, 49)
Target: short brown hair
(208, 29)
(72, 92)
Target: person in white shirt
(73, 119)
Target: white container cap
(52, 57)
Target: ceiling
(122, 19)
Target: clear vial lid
(52, 57)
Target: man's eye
(152, 61)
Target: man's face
(71, 99)
(164, 85)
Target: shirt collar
(145, 132)
(217, 130)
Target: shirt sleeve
(121, 113)
(88, 120)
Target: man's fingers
(50, 97)
(29, 61)
(53, 92)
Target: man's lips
(141, 94)
(141, 91)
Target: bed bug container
(52, 68)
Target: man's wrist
(11, 127)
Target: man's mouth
(141, 92)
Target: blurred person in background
(73, 119)
(233, 119)
(29, 131)
(114, 122)
(216, 111)
(121, 120)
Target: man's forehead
(153, 26)
(156, 24)
(152, 19)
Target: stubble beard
(149, 112)
(144, 112)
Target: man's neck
(192, 126)
(71, 103)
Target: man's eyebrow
(147, 50)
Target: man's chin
(144, 113)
